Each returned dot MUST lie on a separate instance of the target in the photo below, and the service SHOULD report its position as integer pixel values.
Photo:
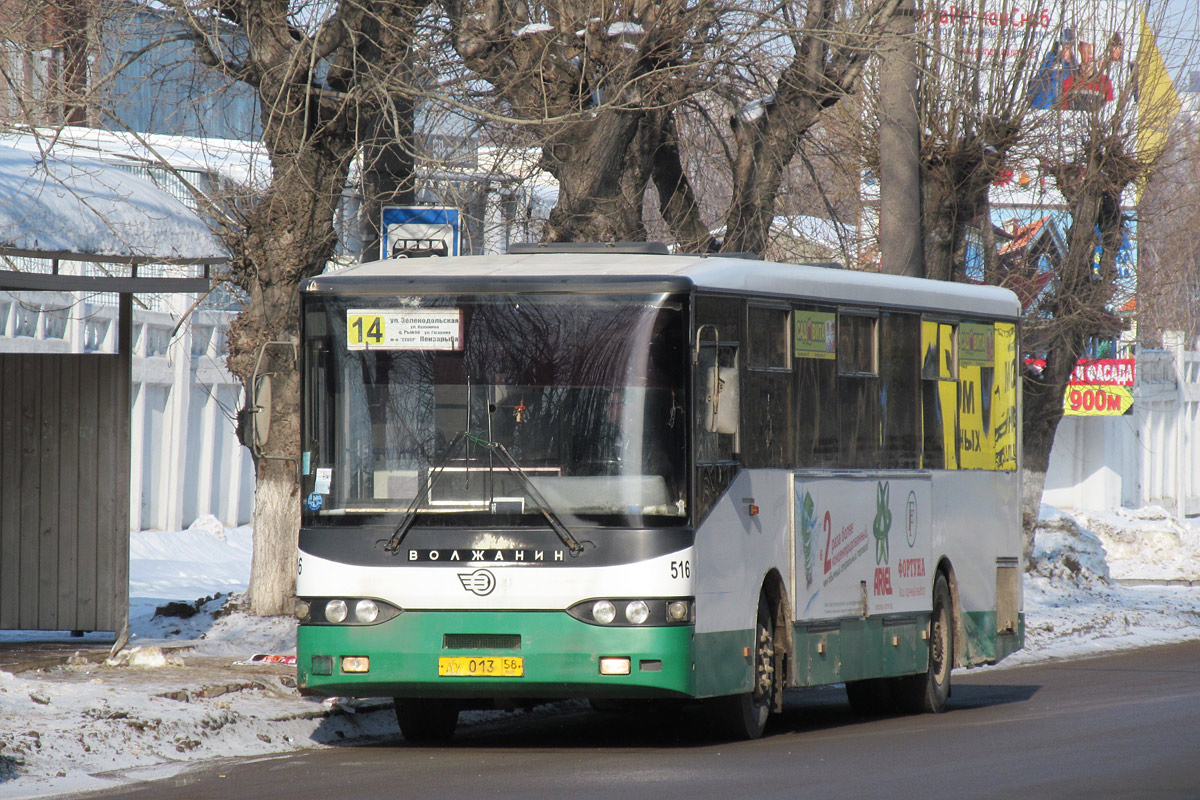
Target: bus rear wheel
(929, 691)
(744, 716)
(426, 721)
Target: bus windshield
(425, 403)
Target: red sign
(1103, 372)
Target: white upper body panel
(714, 273)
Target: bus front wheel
(426, 721)
(744, 716)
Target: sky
(1178, 36)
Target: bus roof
(574, 272)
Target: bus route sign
(416, 329)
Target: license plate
(481, 667)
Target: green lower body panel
(722, 663)
(854, 649)
(560, 657)
(983, 645)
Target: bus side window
(767, 419)
(717, 454)
(1004, 405)
(900, 390)
(976, 376)
(814, 347)
(717, 365)
(939, 395)
(858, 390)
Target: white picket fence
(1150, 456)
(185, 459)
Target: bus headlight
(604, 612)
(366, 611)
(344, 611)
(336, 611)
(634, 611)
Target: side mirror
(721, 407)
(261, 412)
(260, 402)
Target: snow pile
(1147, 544)
(1063, 548)
(1075, 603)
(196, 571)
(172, 696)
(185, 565)
(210, 626)
(88, 726)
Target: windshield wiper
(543, 505)
(510, 464)
(431, 478)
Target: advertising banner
(1098, 386)
(816, 334)
(862, 541)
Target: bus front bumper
(559, 657)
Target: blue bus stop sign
(419, 232)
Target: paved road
(1124, 726)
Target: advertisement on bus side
(856, 534)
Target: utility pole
(901, 241)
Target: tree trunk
(1092, 184)
(290, 238)
(389, 170)
(1042, 411)
(676, 200)
(589, 160)
(940, 223)
(900, 228)
(276, 529)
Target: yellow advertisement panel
(948, 399)
(976, 367)
(1004, 397)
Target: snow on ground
(1104, 581)
(173, 697)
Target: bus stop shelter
(79, 226)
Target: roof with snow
(79, 206)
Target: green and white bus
(624, 475)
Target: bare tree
(1168, 292)
(332, 80)
(606, 84)
(1001, 94)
